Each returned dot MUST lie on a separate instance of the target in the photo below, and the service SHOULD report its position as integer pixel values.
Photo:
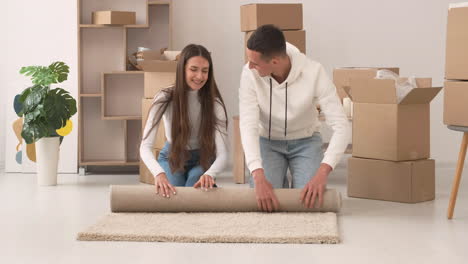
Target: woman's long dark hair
(180, 128)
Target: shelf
(109, 163)
(122, 93)
(105, 44)
(100, 139)
(133, 140)
(121, 118)
(110, 97)
(113, 26)
(90, 95)
(125, 72)
(159, 2)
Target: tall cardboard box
(387, 130)
(456, 56)
(160, 71)
(160, 134)
(406, 182)
(341, 76)
(145, 175)
(114, 18)
(456, 103)
(284, 16)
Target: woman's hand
(205, 182)
(163, 187)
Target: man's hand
(316, 186)
(205, 182)
(163, 187)
(266, 198)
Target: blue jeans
(302, 157)
(192, 168)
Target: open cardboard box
(385, 129)
(160, 70)
(342, 75)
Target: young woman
(195, 123)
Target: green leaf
(34, 98)
(59, 106)
(25, 94)
(34, 131)
(56, 72)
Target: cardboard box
(161, 134)
(155, 81)
(155, 61)
(456, 103)
(295, 37)
(456, 55)
(160, 70)
(387, 130)
(406, 182)
(145, 175)
(284, 16)
(341, 76)
(114, 18)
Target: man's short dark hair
(267, 40)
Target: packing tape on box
(139, 198)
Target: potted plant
(46, 114)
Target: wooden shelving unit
(110, 94)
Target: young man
(279, 90)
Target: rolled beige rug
(139, 198)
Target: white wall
(407, 34)
(38, 33)
(3, 28)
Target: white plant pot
(47, 154)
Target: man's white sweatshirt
(291, 108)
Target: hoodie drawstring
(285, 111)
(269, 127)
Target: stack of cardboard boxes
(160, 73)
(391, 138)
(456, 68)
(287, 17)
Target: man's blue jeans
(302, 157)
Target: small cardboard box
(456, 56)
(160, 71)
(284, 16)
(145, 174)
(387, 130)
(456, 103)
(406, 182)
(341, 76)
(295, 37)
(160, 134)
(114, 18)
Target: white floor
(39, 225)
